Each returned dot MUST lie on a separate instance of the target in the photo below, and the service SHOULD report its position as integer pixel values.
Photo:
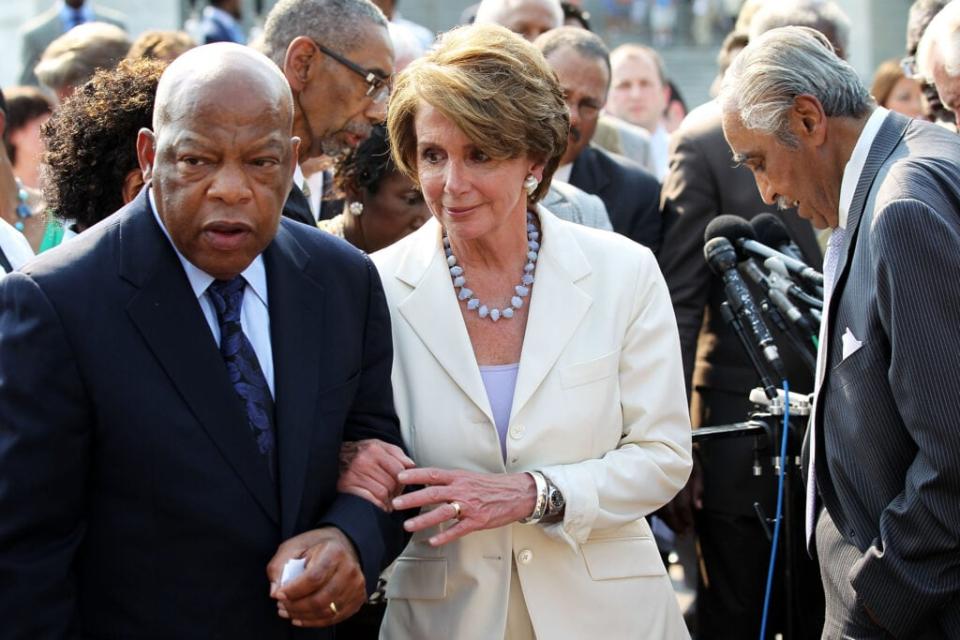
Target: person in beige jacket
(537, 373)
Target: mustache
(784, 204)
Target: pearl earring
(355, 208)
(530, 184)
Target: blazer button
(516, 431)
(525, 556)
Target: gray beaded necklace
(521, 291)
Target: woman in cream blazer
(532, 521)
(599, 408)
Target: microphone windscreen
(720, 255)
(730, 227)
(770, 230)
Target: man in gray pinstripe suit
(883, 453)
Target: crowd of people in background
(401, 133)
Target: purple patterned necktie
(243, 368)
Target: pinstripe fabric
(888, 419)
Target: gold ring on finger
(456, 510)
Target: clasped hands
(379, 472)
(332, 587)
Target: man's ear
(301, 54)
(132, 184)
(809, 119)
(146, 152)
(3, 123)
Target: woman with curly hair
(381, 204)
(91, 158)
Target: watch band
(540, 507)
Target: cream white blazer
(599, 408)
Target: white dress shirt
(254, 311)
(660, 151)
(14, 245)
(315, 182)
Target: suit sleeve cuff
(377, 536)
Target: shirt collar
(255, 274)
(66, 13)
(854, 168)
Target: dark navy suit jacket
(630, 193)
(133, 502)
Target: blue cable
(779, 517)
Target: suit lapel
(167, 314)
(295, 302)
(586, 174)
(433, 312)
(557, 307)
(886, 140)
(297, 207)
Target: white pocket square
(850, 343)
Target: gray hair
(585, 43)
(763, 82)
(337, 24)
(824, 16)
(921, 13)
(72, 59)
(942, 34)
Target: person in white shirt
(639, 94)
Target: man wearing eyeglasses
(338, 59)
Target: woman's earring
(355, 208)
(530, 184)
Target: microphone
(738, 231)
(770, 230)
(780, 278)
(774, 289)
(722, 258)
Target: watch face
(556, 500)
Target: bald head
(221, 156)
(217, 74)
(529, 18)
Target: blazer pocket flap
(615, 558)
(584, 372)
(418, 579)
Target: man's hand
(678, 514)
(369, 468)
(332, 575)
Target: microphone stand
(767, 429)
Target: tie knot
(227, 297)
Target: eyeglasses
(909, 67)
(378, 86)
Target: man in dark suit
(220, 22)
(630, 194)
(186, 372)
(338, 59)
(704, 182)
(883, 450)
(37, 34)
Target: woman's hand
(369, 468)
(485, 500)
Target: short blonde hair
(161, 45)
(72, 59)
(496, 87)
